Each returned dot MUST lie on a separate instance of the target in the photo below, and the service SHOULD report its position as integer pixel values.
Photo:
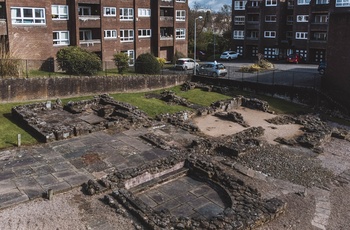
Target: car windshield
(180, 62)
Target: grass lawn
(152, 106)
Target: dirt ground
(74, 210)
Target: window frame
(239, 22)
(271, 17)
(128, 38)
(180, 34)
(111, 32)
(181, 1)
(303, 2)
(240, 6)
(148, 31)
(322, 2)
(342, 3)
(270, 2)
(60, 15)
(110, 14)
(303, 18)
(129, 16)
(180, 17)
(238, 34)
(26, 20)
(269, 34)
(131, 55)
(59, 40)
(144, 15)
(86, 34)
(81, 10)
(301, 35)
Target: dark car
(294, 58)
(322, 68)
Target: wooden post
(19, 140)
(50, 194)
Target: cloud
(210, 4)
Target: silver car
(229, 55)
(212, 69)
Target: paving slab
(7, 174)
(183, 210)
(61, 166)
(43, 170)
(46, 180)
(25, 171)
(7, 185)
(12, 198)
(209, 210)
(78, 180)
(59, 187)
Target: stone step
(167, 177)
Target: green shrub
(161, 61)
(78, 61)
(147, 63)
(121, 60)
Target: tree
(78, 61)
(147, 63)
(121, 60)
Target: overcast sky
(214, 5)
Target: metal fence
(276, 77)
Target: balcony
(93, 45)
(252, 25)
(166, 3)
(318, 26)
(89, 21)
(3, 27)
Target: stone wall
(22, 89)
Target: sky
(214, 5)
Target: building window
(180, 15)
(301, 35)
(322, 2)
(238, 34)
(239, 20)
(131, 55)
(320, 36)
(302, 18)
(84, 10)
(342, 3)
(270, 18)
(255, 51)
(254, 3)
(21, 15)
(239, 49)
(290, 20)
(290, 3)
(60, 38)
(144, 33)
(183, 1)
(109, 11)
(85, 35)
(270, 34)
(271, 3)
(126, 35)
(304, 2)
(271, 52)
(180, 33)
(289, 34)
(110, 33)
(143, 12)
(240, 5)
(321, 18)
(126, 14)
(252, 34)
(59, 12)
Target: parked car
(229, 55)
(185, 64)
(295, 58)
(322, 68)
(212, 69)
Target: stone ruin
(316, 131)
(52, 121)
(245, 209)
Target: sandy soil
(216, 127)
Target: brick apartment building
(277, 28)
(38, 29)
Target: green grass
(152, 106)
(9, 130)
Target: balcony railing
(87, 43)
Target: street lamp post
(195, 38)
